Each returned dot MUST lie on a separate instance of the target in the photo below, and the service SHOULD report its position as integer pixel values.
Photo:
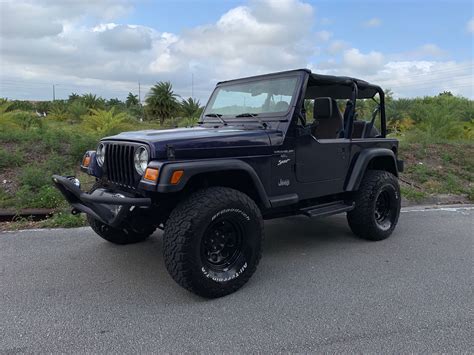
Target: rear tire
(213, 241)
(377, 206)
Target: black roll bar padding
(383, 120)
(372, 121)
(350, 120)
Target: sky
(108, 47)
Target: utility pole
(140, 102)
(139, 94)
(54, 93)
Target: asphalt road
(317, 288)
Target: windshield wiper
(217, 115)
(253, 115)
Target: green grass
(64, 219)
(10, 159)
(413, 194)
(446, 168)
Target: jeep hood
(202, 142)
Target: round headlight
(141, 160)
(100, 154)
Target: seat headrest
(322, 107)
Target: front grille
(119, 164)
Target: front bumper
(104, 205)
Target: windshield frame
(266, 116)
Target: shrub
(22, 106)
(6, 199)
(76, 111)
(58, 111)
(188, 122)
(47, 196)
(20, 119)
(64, 219)
(81, 143)
(10, 159)
(105, 122)
(34, 177)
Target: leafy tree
(191, 108)
(161, 102)
(132, 100)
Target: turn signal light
(151, 174)
(86, 161)
(176, 177)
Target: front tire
(123, 235)
(118, 236)
(377, 206)
(213, 241)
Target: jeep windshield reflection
(265, 97)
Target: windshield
(252, 98)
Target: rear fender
(373, 158)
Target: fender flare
(193, 168)
(362, 161)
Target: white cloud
(336, 47)
(126, 38)
(363, 63)
(323, 35)
(243, 39)
(430, 50)
(409, 78)
(373, 22)
(84, 47)
(417, 78)
(27, 21)
(426, 51)
(470, 25)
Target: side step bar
(328, 209)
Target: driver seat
(328, 122)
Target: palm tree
(161, 102)
(73, 97)
(105, 122)
(91, 101)
(132, 100)
(191, 108)
(114, 102)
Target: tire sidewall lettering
(231, 210)
(238, 214)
